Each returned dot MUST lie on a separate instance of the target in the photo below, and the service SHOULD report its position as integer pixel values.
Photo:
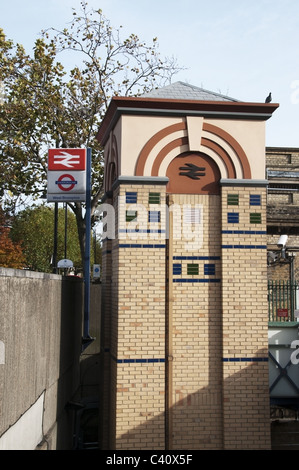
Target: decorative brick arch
(111, 165)
(181, 143)
(193, 173)
(139, 170)
(233, 144)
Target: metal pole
(65, 231)
(292, 289)
(86, 337)
(55, 237)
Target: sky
(240, 48)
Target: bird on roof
(269, 98)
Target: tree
(33, 229)
(45, 106)
(11, 255)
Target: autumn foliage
(48, 105)
(11, 255)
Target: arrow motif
(67, 160)
(192, 171)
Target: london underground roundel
(66, 182)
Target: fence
(283, 298)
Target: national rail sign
(66, 175)
(67, 159)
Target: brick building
(282, 165)
(185, 330)
(282, 173)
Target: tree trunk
(81, 227)
(81, 222)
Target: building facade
(185, 331)
(282, 173)
(283, 290)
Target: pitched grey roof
(184, 91)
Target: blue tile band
(204, 258)
(138, 360)
(244, 232)
(196, 280)
(124, 230)
(246, 247)
(139, 245)
(245, 359)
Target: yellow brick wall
(245, 324)
(105, 385)
(138, 338)
(196, 335)
(188, 349)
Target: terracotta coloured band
(233, 144)
(111, 166)
(230, 167)
(153, 141)
(165, 151)
(140, 165)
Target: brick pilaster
(246, 422)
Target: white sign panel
(66, 175)
(66, 182)
(66, 186)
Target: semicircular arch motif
(111, 166)
(153, 141)
(234, 144)
(207, 142)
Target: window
(192, 215)
(154, 216)
(131, 198)
(209, 269)
(255, 218)
(177, 268)
(154, 198)
(131, 215)
(233, 199)
(233, 217)
(192, 269)
(255, 200)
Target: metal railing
(283, 298)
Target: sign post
(69, 180)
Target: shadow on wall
(69, 367)
(236, 416)
(41, 327)
(83, 387)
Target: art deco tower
(184, 315)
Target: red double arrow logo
(67, 159)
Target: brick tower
(184, 314)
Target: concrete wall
(40, 337)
